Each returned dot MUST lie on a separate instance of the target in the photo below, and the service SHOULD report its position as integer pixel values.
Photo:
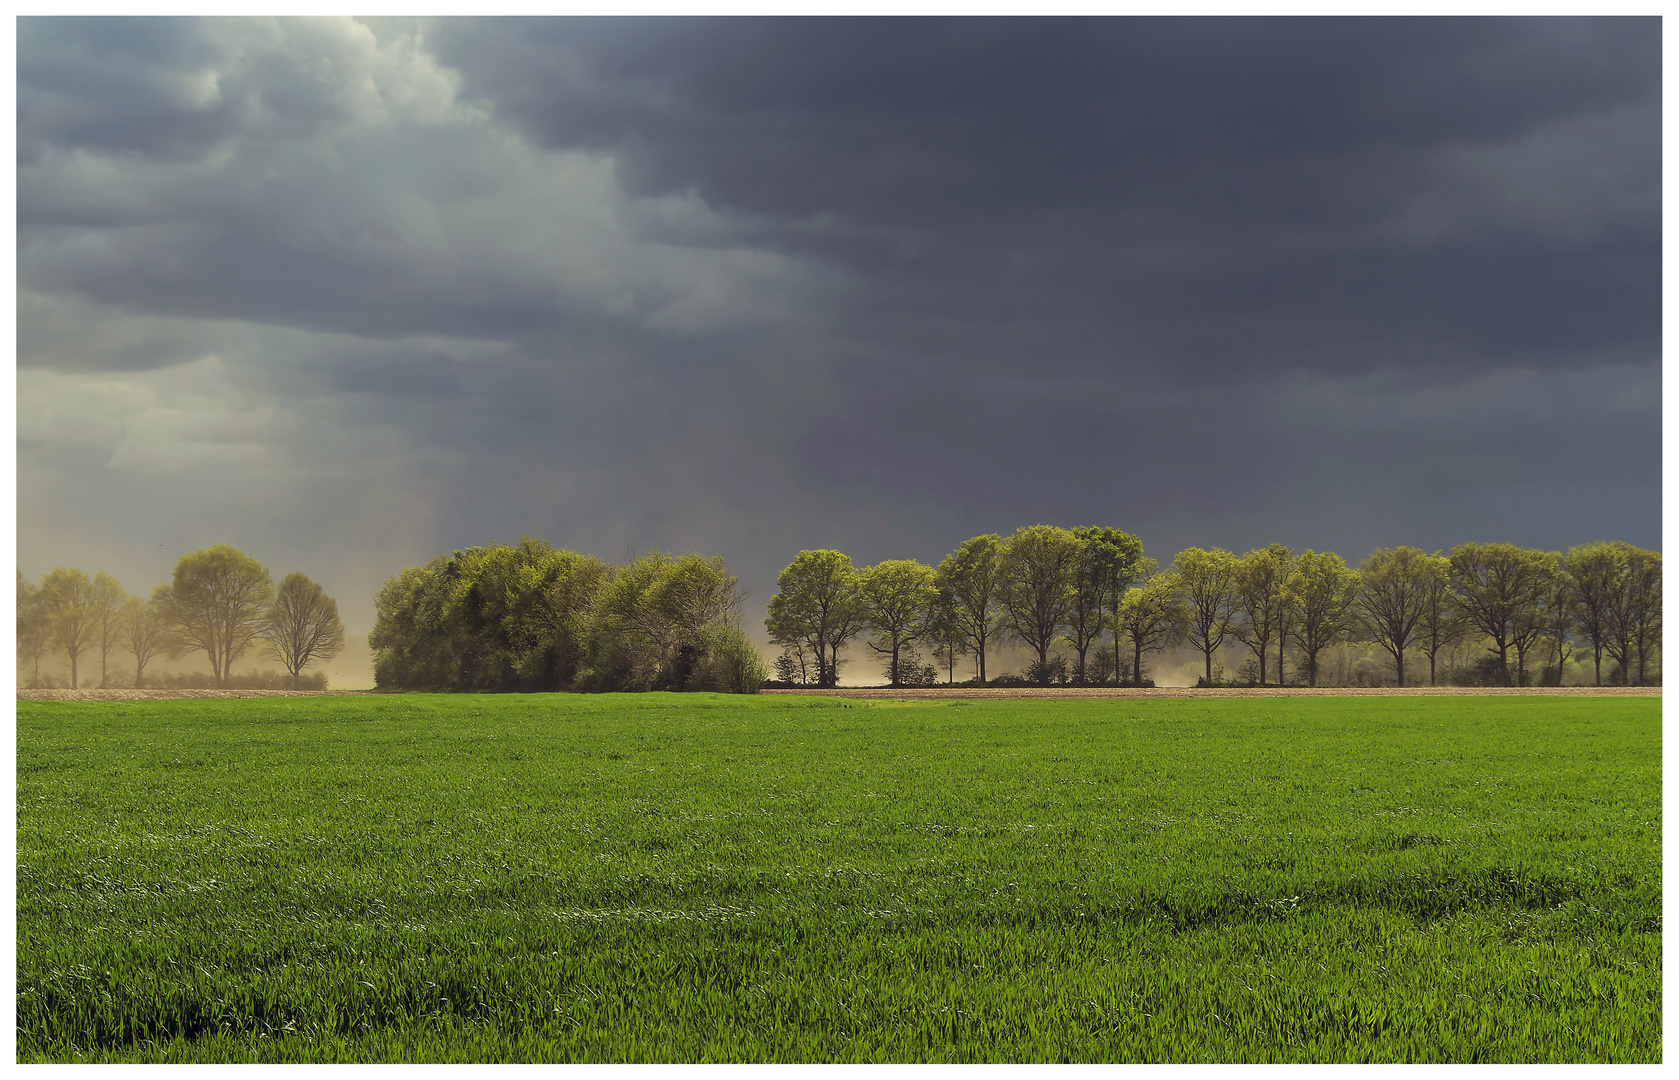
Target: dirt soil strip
(157, 695)
(953, 692)
(1234, 691)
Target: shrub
(726, 662)
(1050, 672)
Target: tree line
(220, 602)
(532, 617)
(1090, 594)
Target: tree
(1324, 588)
(1153, 614)
(1038, 566)
(1560, 619)
(67, 604)
(147, 636)
(217, 604)
(1597, 575)
(1499, 587)
(1533, 623)
(1208, 581)
(1262, 598)
(969, 577)
(1392, 597)
(531, 617)
(1644, 580)
(33, 639)
(791, 666)
(1635, 611)
(302, 627)
(944, 630)
(816, 602)
(1107, 567)
(657, 620)
(558, 595)
(105, 600)
(1288, 609)
(1442, 622)
(898, 596)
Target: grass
(685, 878)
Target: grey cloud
(352, 296)
(1195, 186)
(343, 190)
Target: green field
(680, 878)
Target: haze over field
(348, 294)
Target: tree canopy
(216, 604)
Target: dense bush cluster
(532, 617)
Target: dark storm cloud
(1216, 190)
(749, 286)
(309, 175)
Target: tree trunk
(1399, 667)
(1137, 672)
(1282, 643)
(1597, 665)
(72, 670)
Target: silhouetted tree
(969, 577)
(1324, 588)
(898, 598)
(216, 604)
(67, 603)
(1499, 588)
(1153, 614)
(147, 635)
(1392, 597)
(1442, 623)
(1597, 575)
(1107, 567)
(105, 600)
(1038, 566)
(302, 625)
(1208, 581)
(1261, 599)
(816, 602)
(33, 637)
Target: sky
(348, 295)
